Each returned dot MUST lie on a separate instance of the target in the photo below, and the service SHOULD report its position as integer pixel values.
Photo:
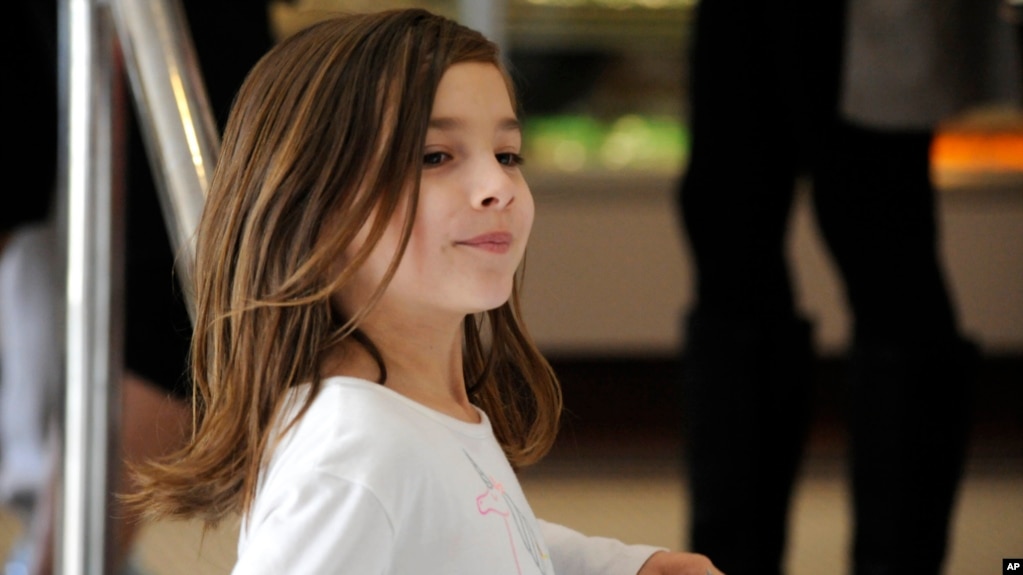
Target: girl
(364, 386)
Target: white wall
(607, 271)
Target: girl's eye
(510, 159)
(435, 158)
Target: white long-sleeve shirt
(371, 482)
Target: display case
(603, 93)
(600, 82)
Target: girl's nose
(495, 201)
(494, 188)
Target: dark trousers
(764, 89)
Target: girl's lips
(496, 242)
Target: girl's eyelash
(434, 158)
(511, 159)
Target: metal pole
(87, 77)
(174, 114)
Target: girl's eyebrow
(448, 124)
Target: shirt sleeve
(576, 554)
(322, 525)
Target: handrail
(175, 116)
(87, 80)
(180, 135)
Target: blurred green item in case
(572, 143)
(563, 143)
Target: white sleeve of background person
(30, 366)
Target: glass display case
(603, 90)
(600, 81)
(602, 87)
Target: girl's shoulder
(345, 413)
(354, 425)
(352, 404)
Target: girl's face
(475, 210)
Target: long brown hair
(326, 133)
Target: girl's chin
(491, 304)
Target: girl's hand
(677, 563)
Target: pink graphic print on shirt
(494, 501)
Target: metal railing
(151, 38)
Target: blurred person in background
(848, 96)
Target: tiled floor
(640, 497)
